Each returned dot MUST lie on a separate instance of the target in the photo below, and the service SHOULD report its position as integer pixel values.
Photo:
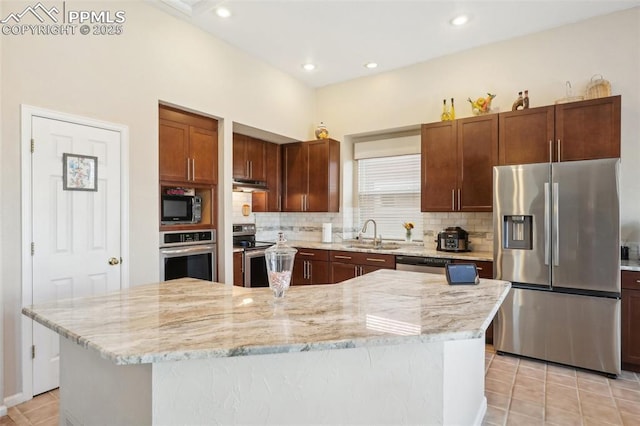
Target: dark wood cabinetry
(630, 327)
(188, 158)
(188, 147)
(271, 200)
(249, 158)
(348, 264)
(311, 266)
(457, 164)
(238, 273)
(311, 176)
(573, 131)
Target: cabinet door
(319, 272)
(238, 277)
(323, 184)
(256, 157)
(588, 129)
(343, 271)
(439, 168)
(631, 330)
(477, 154)
(298, 275)
(203, 146)
(295, 188)
(240, 165)
(526, 136)
(270, 201)
(173, 150)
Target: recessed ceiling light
(459, 20)
(309, 67)
(371, 65)
(223, 12)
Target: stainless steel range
(254, 265)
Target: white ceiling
(340, 36)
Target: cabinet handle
(302, 203)
(551, 150)
(193, 169)
(361, 270)
(251, 169)
(459, 208)
(453, 199)
(376, 260)
(305, 253)
(479, 268)
(337, 256)
(638, 281)
(357, 271)
(306, 202)
(280, 203)
(559, 156)
(188, 168)
(309, 270)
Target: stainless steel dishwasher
(432, 265)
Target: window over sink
(389, 193)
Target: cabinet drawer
(315, 254)
(373, 259)
(485, 268)
(631, 280)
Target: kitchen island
(391, 347)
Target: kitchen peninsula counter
(388, 347)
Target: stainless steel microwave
(175, 209)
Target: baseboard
(15, 399)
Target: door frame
(27, 114)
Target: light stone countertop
(193, 319)
(405, 249)
(630, 265)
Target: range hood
(247, 185)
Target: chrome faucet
(376, 241)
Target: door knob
(114, 261)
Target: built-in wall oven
(188, 254)
(254, 265)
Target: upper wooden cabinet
(249, 158)
(573, 131)
(457, 164)
(311, 176)
(271, 200)
(188, 147)
(526, 136)
(588, 130)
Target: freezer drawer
(582, 331)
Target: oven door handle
(202, 248)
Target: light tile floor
(526, 392)
(519, 392)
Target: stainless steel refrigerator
(557, 239)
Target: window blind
(389, 193)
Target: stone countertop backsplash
(404, 249)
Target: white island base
(430, 383)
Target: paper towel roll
(326, 232)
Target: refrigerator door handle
(547, 243)
(556, 218)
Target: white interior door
(76, 233)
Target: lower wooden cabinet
(311, 266)
(348, 264)
(238, 270)
(630, 327)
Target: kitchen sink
(369, 246)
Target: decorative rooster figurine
(481, 105)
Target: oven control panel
(183, 238)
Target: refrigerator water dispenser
(517, 232)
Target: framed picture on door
(79, 172)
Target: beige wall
(541, 63)
(120, 79)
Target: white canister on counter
(326, 233)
